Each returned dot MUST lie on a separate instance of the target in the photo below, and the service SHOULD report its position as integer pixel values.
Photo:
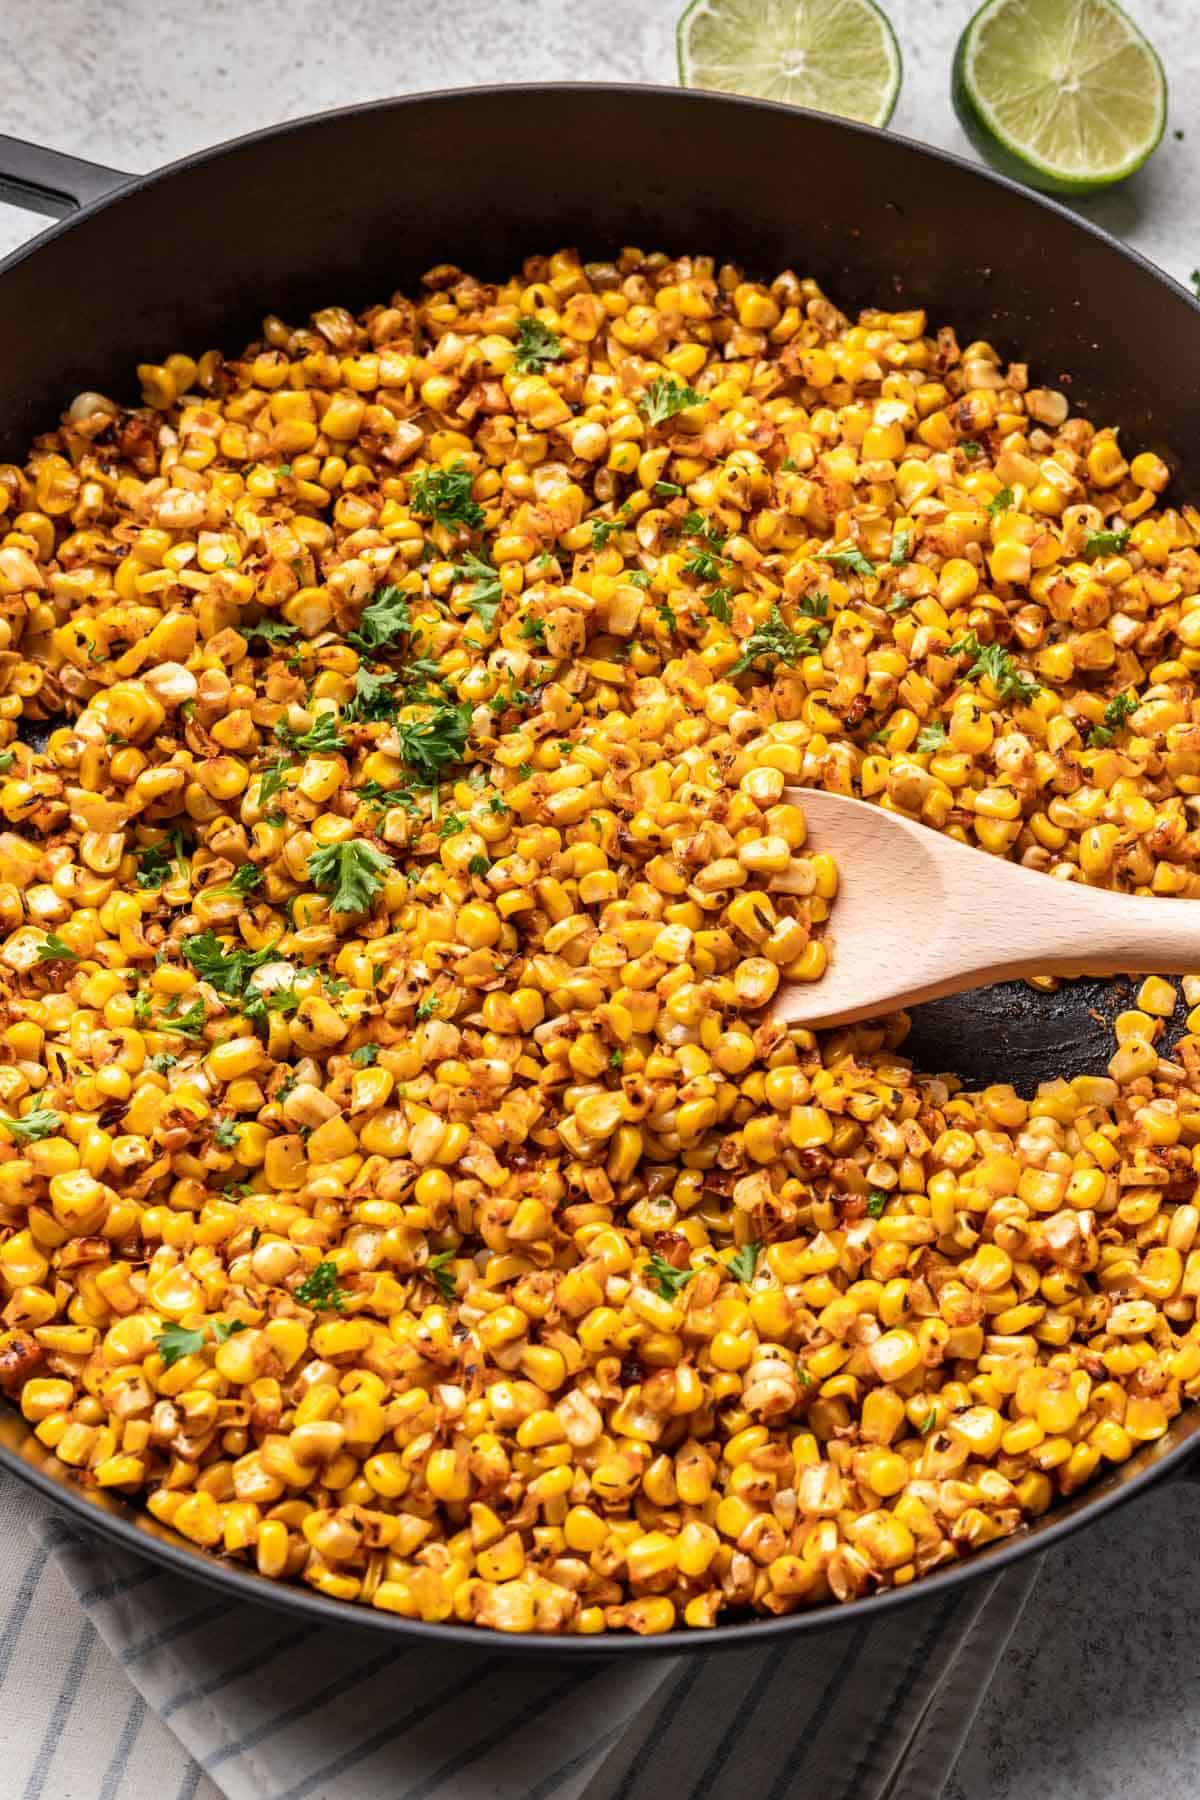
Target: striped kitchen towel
(120, 1680)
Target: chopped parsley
(849, 557)
(374, 696)
(176, 1341)
(663, 399)
(1000, 502)
(226, 1134)
(225, 970)
(666, 613)
(774, 639)
(271, 631)
(364, 1056)
(537, 345)
(444, 495)
(440, 1274)
(931, 737)
(1106, 543)
(428, 745)
(744, 1262)
(188, 1024)
(970, 448)
(617, 1059)
(486, 593)
(927, 1423)
(386, 619)
(54, 950)
(669, 1281)
(352, 873)
(1116, 712)
(534, 630)
(42, 1122)
(666, 490)
(320, 739)
(452, 826)
(162, 1062)
(478, 865)
(320, 1289)
(876, 1202)
(245, 879)
(1000, 668)
(901, 544)
(270, 781)
(427, 1008)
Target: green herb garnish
(1000, 668)
(364, 1056)
(444, 495)
(743, 1262)
(486, 593)
(352, 873)
(663, 399)
(54, 950)
(876, 1202)
(41, 1122)
(1116, 712)
(931, 737)
(848, 557)
(665, 1277)
(320, 1289)
(537, 345)
(774, 639)
(1106, 543)
(320, 739)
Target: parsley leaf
(54, 950)
(42, 1122)
(161, 1062)
(849, 557)
(176, 1341)
(537, 345)
(270, 781)
(245, 879)
(486, 593)
(320, 1289)
(970, 448)
(1116, 712)
(1000, 668)
(666, 490)
(188, 1024)
(386, 618)
(364, 1056)
(272, 631)
(320, 739)
(427, 1008)
(374, 696)
(705, 565)
(442, 1278)
(931, 737)
(353, 873)
(451, 826)
(665, 1277)
(478, 865)
(444, 495)
(744, 1262)
(773, 639)
(154, 865)
(1000, 502)
(901, 543)
(663, 399)
(876, 1201)
(718, 604)
(225, 970)
(226, 1134)
(428, 745)
(1106, 543)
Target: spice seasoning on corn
(403, 1184)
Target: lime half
(1065, 95)
(836, 56)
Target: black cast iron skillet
(345, 207)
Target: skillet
(347, 206)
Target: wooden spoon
(919, 915)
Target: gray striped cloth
(119, 1680)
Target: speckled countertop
(1098, 1697)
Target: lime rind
(1124, 70)
(832, 56)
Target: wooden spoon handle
(1084, 931)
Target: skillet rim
(1155, 1462)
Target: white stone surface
(1098, 1698)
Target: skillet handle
(49, 181)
